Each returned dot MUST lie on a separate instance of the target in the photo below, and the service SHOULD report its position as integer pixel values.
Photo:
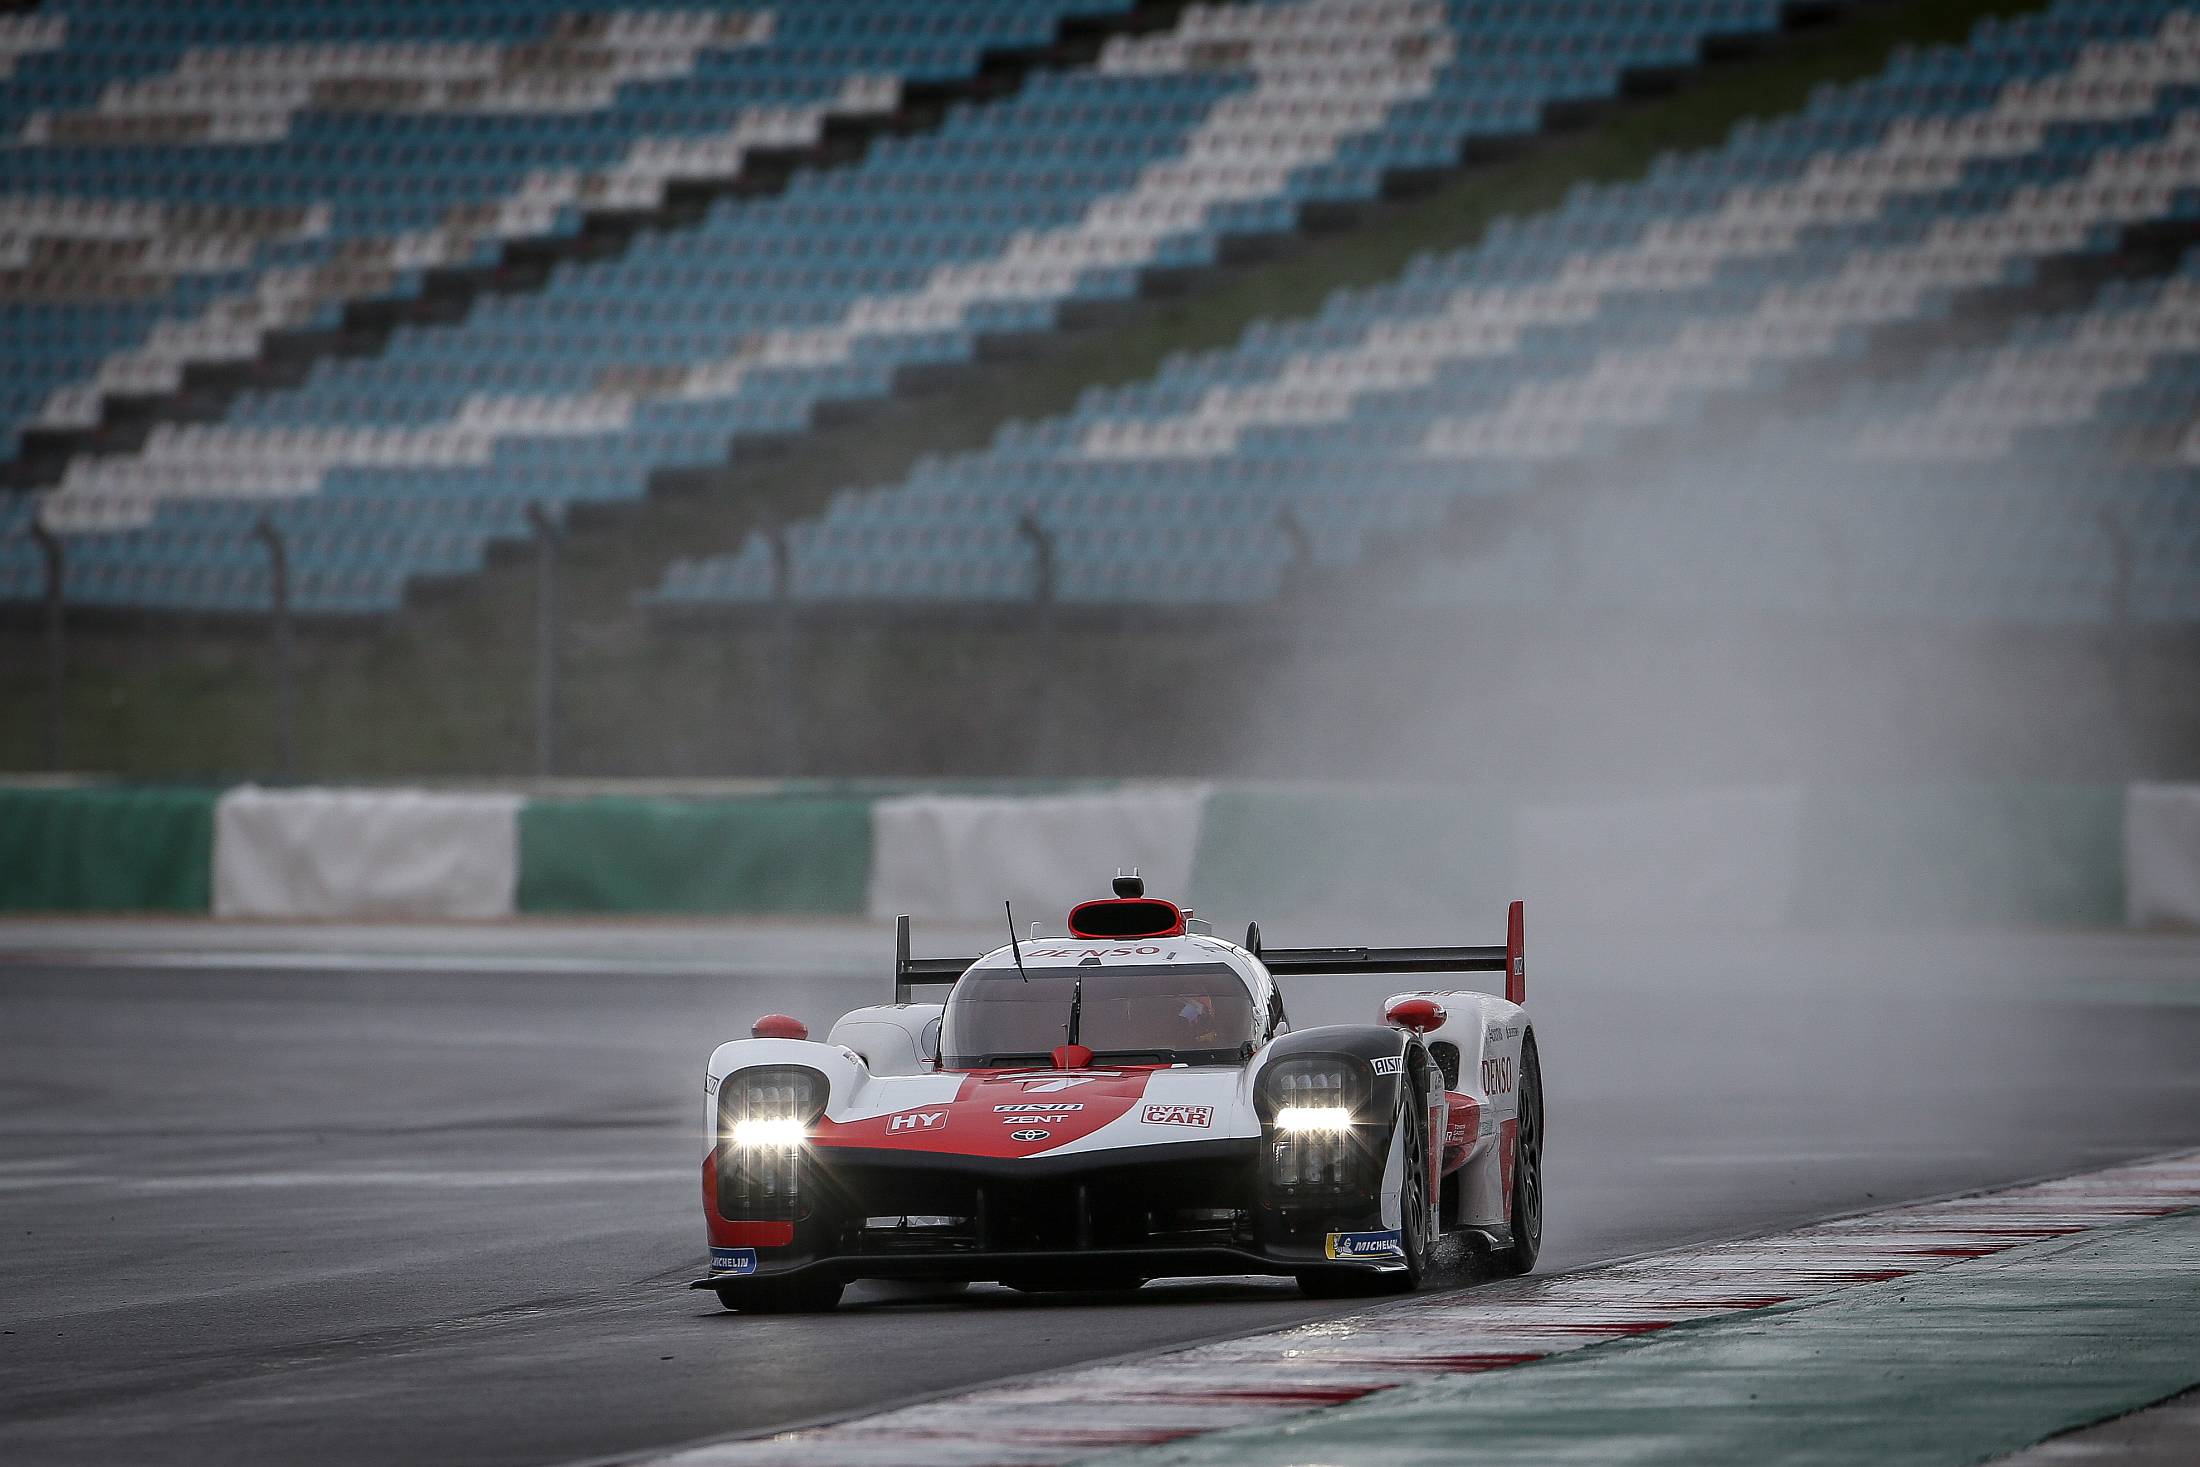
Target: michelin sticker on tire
(1385, 1244)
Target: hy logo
(917, 1120)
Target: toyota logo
(1028, 1135)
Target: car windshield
(1193, 1013)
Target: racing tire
(781, 1296)
(1413, 1224)
(1526, 1216)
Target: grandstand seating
(1632, 306)
(1226, 123)
(184, 179)
(2053, 479)
(2123, 369)
(1476, 372)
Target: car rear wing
(1510, 960)
(911, 973)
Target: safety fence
(1759, 857)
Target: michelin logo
(1385, 1244)
(739, 1261)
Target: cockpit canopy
(1173, 1013)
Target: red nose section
(1072, 1057)
(779, 1026)
(1418, 1014)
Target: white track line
(1067, 1415)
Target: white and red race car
(1126, 1103)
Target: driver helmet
(1197, 1019)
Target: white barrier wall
(365, 853)
(1722, 858)
(2162, 855)
(957, 857)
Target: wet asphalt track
(425, 1215)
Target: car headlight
(769, 1131)
(1312, 1103)
(1315, 1089)
(1321, 1118)
(773, 1106)
(764, 1115)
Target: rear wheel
(1413, 1223)
(1526, 1217)
(781, 1296)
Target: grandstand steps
(1001, 358)
(448, 293)
(621, 546)
(466, 636)
(1980, 318)
(1984, 317)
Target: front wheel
(1413, 1223)
(781, 1296)
(1526, 1216)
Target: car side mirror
(928, 1046)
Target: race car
(1126, 1103)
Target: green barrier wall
(1431, 856)
(1953, 853)
(771, 853)
(106, 850)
